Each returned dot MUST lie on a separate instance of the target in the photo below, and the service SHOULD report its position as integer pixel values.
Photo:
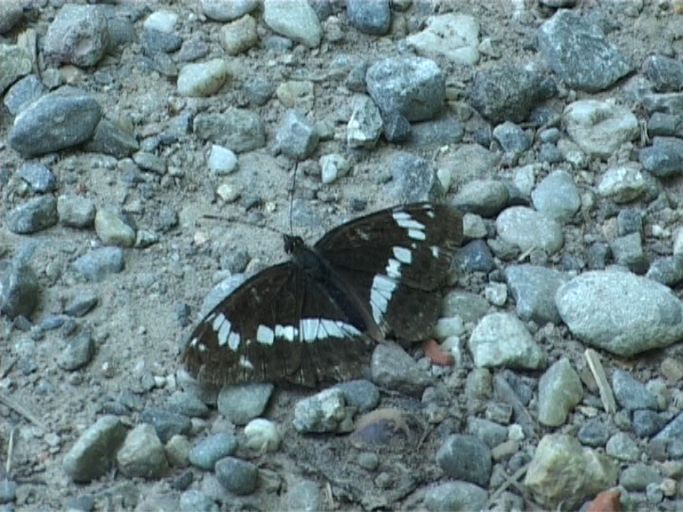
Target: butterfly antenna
(291, 197)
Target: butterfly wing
(397, 260)
(280, 325)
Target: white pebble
(222, 160)
(163, 21)
(262, 435)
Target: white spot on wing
(403, 255)
(393, 269)
(435, 250)
(218, 321)
(380, 295)
(233, 341)
(309, 329)
(265, 335)
(416, 234)
(286, 332)
(223, 333)
(245, 363)
(193, 342)
(430, 213)
(404, 220)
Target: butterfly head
(292, 243)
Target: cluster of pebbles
(556, 128)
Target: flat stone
(580, 53)
(455, 496)
(166, 423)
(621, 447)
(393, 368)
(96, 264)
(369, 17)
(78, 35)
(528, 229)
(664, 158)
(93, 453)
(55, 121)
(296, 136)
(501, 339)
(211, 449)
(34, 215)
(599, 128)
(220, 10)
(294, 19)
(533, 288)
(559, 390)
(623, 183)
(665, 73)
(557, 197)
(453, 36)
(24, 92)
(142, 454)
(465, 457)
(620, 312)
(202, 79)
(243, 402)
(239, 130)
(113, 139)
(630, 393)
(19, 289)
(15, 62)
(76, 211)
(483, 197)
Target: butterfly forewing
(397, 259)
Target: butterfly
(316, 318)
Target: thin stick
(596, 368)
(10, 451)
(291, 197)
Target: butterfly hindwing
(397, 259)
(280, 325)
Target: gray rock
(580, 53)
(19, 289)
(668, 271)
(453, 36)
(202, 79)
(111, 139)
(673, 431)
(295, 19)
(365, 125)
(620, 312)
(187, 404)
(396, 127)
(238, 36)
(393, 368)
(664, 158)
(93, 453)
(562, 471)
(24, 92)
(474, 257)
(465, 457)
(32, 216)
(326, 411)
(304, 496)
(237, 129)
(244, 402)
(78, 35)
(76, 211)
(361, 394)
(665, 73)
(221, 160)
(557, 196)
(668, 103)
(629, 220)
(593, 433)
(559, 390)
(55, 121)
(155, 41)
(510, 92)
(621, 447)
(599, 128)
(622, 183)
(196, 501)
(668, 125)
(630, 393)
(628, 251)
(296, 136)
(528, 229)
(8, 488)
(142, 454)
(415, 179)
(638, 477)
(15, 62)
(483, 197)
(333, 166)
(647, 423)
(112, 229)
(262, 435)
(178, 451)
(369, 17)
(512, 138)
(220, 10)
(533, 288)
(455, 497)
(11, 13)
(211, 449)
(166, 423)
(96, 264)
(150, 162)
(259, 90)
(39, 177)
(468, 306)
(501, 339)
(78, 352)
(434, 133)
(237, 476)
(81, 304)
(488, 431)
(412, 86)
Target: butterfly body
(317, 317)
